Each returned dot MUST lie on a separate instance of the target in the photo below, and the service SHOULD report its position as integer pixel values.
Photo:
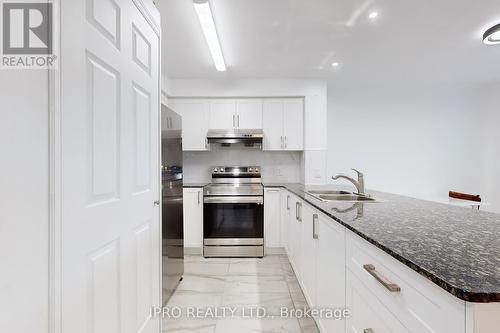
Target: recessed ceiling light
(492, 35)
(206, 19)
(373, 15)
(335, 64)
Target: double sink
(331, 195)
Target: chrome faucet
(360, 183)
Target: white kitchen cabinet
(193, 217)
(272, 217)
(330, 271)
(249, 113)
(283, 124)
(222, 113)
(308, 253)
(295, 235)
(293, 123)
(420, 305)
(285, 218)
(195, 117)
(367, 314)
(226, 113)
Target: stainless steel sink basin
(327, 192)
(346, 197)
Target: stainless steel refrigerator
(172, 217)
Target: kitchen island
(455, 248)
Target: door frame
(147, 9)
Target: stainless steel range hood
(244, 138)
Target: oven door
(233, 220)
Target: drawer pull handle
(368, 330)
(392, 287)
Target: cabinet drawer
(420, 305)
(367, 314)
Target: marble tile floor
(239, 284)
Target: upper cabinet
(249, 113)
(222, 113)
(195, 117)
(282, 120)
(228, 113)
(283, 124)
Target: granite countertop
(457, 248)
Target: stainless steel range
(233, 213)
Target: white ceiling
(422, 41)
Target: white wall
(24, 194)
(418, 141)
(275, 166)
(313, 165)
(488, 115)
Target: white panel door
(195, 117)
(222, 113)
(193, 217)
(249, 113)
(272, 124)
(110, 249)
(293, 123)
(272, 219)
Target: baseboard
(274, 250)
(193, 251)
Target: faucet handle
(360, 174)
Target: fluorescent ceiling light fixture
(373, 15)
(206, 19)
(492, 35)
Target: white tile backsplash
(275, 166)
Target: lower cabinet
(308, 254)
(330, 271)
(272, 217)
(193, 217)
(337, 269)
(367, 314)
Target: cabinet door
(308, 253)
(330, 271)
(195, 116)
(272, 124)
(249, 113)
(285, 213)
(272, 204)
(222, 113)
(367, 314)
(193, 217)
(296, 238)
(293, 123)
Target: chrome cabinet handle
(315, 219)
(287, 202)
(300, 212)
(281, 138)
(286, 143)
(296, 211)
(368, 330)
(392, 287)
(238, 120)
(198, 197)
(234, 123)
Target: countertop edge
(465, 295)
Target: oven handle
(235, 199)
